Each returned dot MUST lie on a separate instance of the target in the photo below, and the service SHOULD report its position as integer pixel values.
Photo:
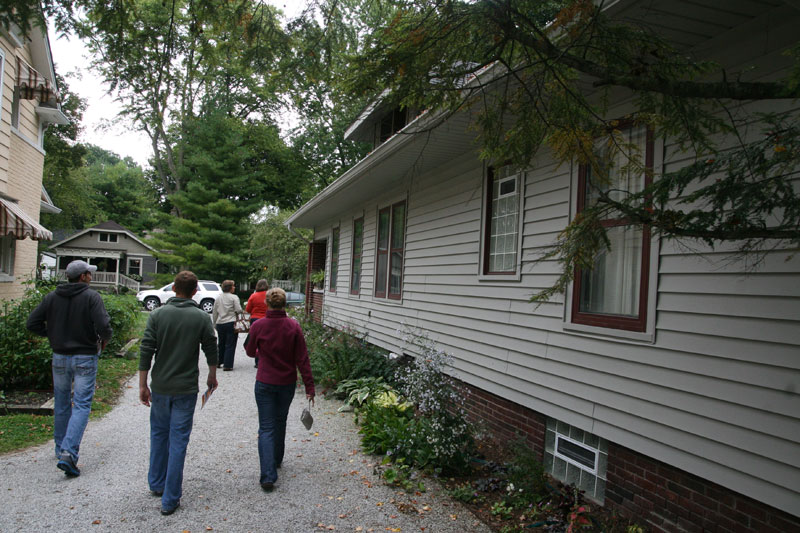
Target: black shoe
(67, 464)
(268, 486)
(227, 369)
(167, 512)
(158, 493)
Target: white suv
(207, 293)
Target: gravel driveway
(325, 484)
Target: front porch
(108, 263)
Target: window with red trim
(389, 254)
(355, 265)
(613, 294)
(334, 258)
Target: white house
(686, 411)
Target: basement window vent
(576, 457)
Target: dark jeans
(226, 343)
(171, 419)
(273, 403)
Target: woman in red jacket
(278, 342)
(257, 306)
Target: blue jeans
(171, 418)
(226, 344)
(71, 412)
(273, 403)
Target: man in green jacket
(174, 334)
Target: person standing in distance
(226, 308)
(74, 320)
(174, 334)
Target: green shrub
(385, 428)
(526, 476)
(123, 311)
(357, 392)
(341, 355)
(25, 358)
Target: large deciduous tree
(540, 74)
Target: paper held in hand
(205, 397)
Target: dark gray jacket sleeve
(37, 320)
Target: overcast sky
(100, 123)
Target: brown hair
(227, 285)
(276, 298)
(185, 283)
(262, 285)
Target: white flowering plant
(441, 437)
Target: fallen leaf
(96, 522)
(379, 504)
(453, 517)
(209, 528)
(342, 516)
(228, 471)
(316, 433)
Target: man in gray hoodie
(76, 323)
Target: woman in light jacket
(226, 309)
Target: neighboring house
(122, 258)
(686, 414)
(28, 103)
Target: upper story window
(392, 122)
(501, 235)
(358, 249)
(107, 237)
(389, 255)
(614, 293)
(334, 258)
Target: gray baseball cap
(78, 267)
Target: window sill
(500, 277)
(632, 337)
(5, 278)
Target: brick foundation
(661, 497)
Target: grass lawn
(21, 431)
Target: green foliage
(384, 430)
(124, 313)
(25, 359)
(357, 392)
(527, 481)
(502, 510)
(230, 170)
(464, 493)
(403, 476)
(276, 252)
(23, 430)
(339, 355)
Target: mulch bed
(20, 401)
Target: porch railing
(109, 278)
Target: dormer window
(392, 122)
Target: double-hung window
(614, 292)
(134, 267)
(334, 258)
(8, 249)
(107, 237)
(501, 222)
(389, 255)
(358, 249)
